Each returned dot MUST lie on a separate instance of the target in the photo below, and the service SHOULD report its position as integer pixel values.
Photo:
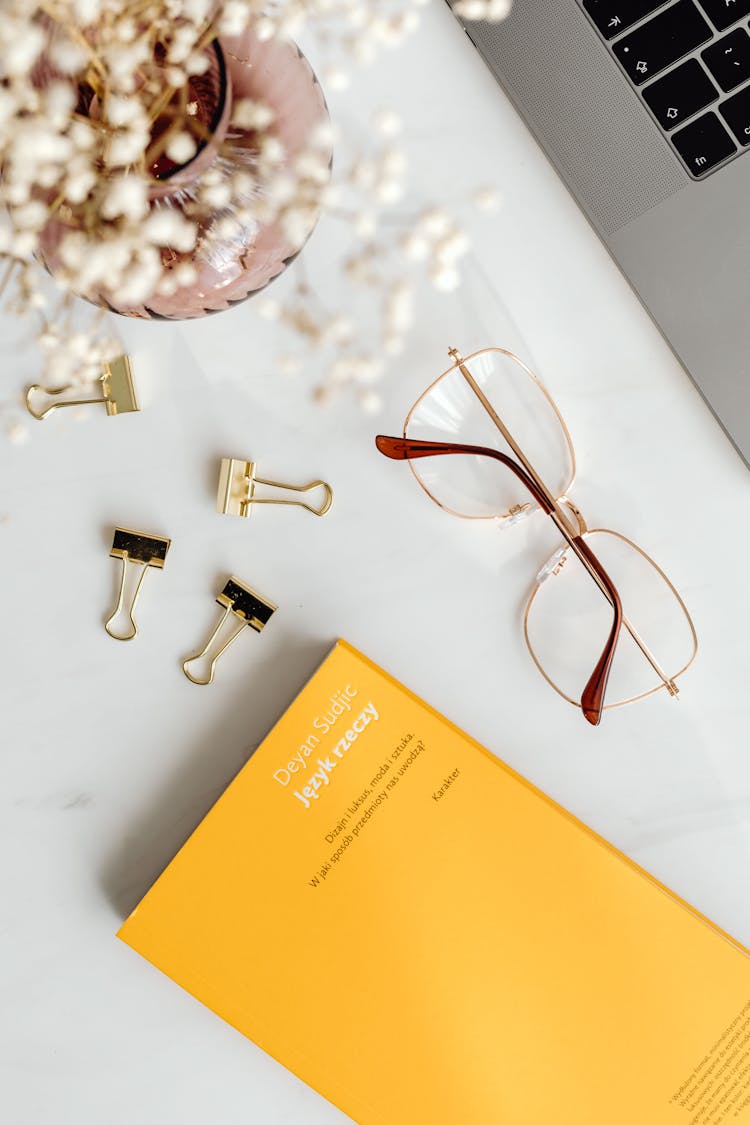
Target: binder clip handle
(40, 415)
(202, 682)
(320, 510)
(133, 629)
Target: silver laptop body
(666, 186)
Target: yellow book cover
(422, 936)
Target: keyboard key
(663, 40)
(703, 144)
(736, 112)
(725, 12)
(729, 59)
(613, 16)
(680, 94)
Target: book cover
(422, 936)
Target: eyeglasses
(486, 441)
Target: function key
(736, 112)
(729, 59)
(613, 16)
(663, 40)
(703, 144)
(680, 94)
(725, 12)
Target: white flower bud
(126, 148)
(181, 148)
(22, 48)
(166, 227)
(216, 195)
(197, 64)
(185, 273)
(371, 402)
(389, 191)
(449, 249)
(398, 311)
(79, 182)
(121, 111)
(365, 224)
(31, 216)
(415, 247)
(288, 363)
(335, 78)
(269, 309)
(486, 199)
(434, 222)
(127, 197)
(445, 278)
(387, 123)
(66, 56)
(250, 114)
(17, 433)
(175, 77)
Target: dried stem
(9, 270)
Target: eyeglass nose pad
(556, 561)
(553, 565)
(515, 515)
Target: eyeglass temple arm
(592, 698)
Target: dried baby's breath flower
(17, 433)
(167, 227)
(82, 83)
(371, 402)
(288, 363)
(269, 309)
(126, 196)
(181, 148)
(388, 123)
(486, 199)
(250, 114)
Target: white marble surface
(109, 755)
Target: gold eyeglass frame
(538, 585)
(564, 513)
(540, 386)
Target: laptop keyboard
(690, 60)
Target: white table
(110, 757)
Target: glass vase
(234, 257)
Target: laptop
(644, 109)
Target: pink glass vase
(229, 268)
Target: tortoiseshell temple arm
(592, 698)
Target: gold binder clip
(140, 550)
(118, 392)
(248, 606)
(236, 495)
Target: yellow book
(424, 937)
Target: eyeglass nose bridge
(580, 527)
